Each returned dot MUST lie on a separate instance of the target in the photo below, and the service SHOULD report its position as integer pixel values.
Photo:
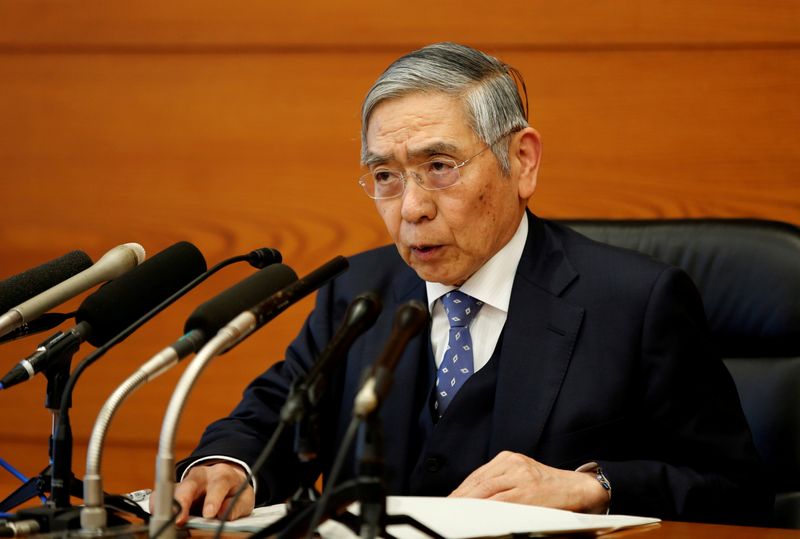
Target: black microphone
(115, 305)
(360, 316)
(409, 320)
(211, 316)
(263, 257)
(249, 320)
(280, 301)
(23, 286)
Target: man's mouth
(424, 251)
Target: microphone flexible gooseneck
(204, 322)
(138, 293)
(229, 336)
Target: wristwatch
(593, 467)
(603, 480)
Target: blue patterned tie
(457, 364)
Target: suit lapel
(537, 345)
(400, 411)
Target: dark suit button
(434, 464)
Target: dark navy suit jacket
(604, 357)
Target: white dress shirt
(491, 284)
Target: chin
(431, 275)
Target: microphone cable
(336, 468)
(259, 463)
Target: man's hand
(512, 477)
(214, 485)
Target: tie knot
(460, 308)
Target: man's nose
(417, 203)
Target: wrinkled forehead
(416, 125)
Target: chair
(748, 273)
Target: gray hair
(486, 86)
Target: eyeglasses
(440, 173)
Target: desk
(663, 530)
(687, 530)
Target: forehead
(414, 123)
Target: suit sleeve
(244, 433)
(700, 462)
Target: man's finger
(186, 492)
(216, 492)
(243, 507)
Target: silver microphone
(113, 264)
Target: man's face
(447, 235)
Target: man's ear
(528, 152)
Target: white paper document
(456, 518)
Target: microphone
(280, 301)
(239, 328)
(303, 403)
(120, 302)
(23, 286)
(113, 264)
(360, 316)
(211, 316)
(114, 306)
(409, 320)
(202, 324)
(109, 312)
(263, 257)
(226, 338)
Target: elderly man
(578, 376)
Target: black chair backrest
(748, 273)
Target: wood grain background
(235, 125)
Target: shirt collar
(492, 283)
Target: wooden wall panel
(238, 127)
(248, 24)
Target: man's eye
(440, 167)
(383, 176)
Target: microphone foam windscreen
(215, 313)
(22, 287)
(119, 303)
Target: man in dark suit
(556, 371)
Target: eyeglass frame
(403, 176)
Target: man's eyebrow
(434, 149)
(373, 159)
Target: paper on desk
(456, 518)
